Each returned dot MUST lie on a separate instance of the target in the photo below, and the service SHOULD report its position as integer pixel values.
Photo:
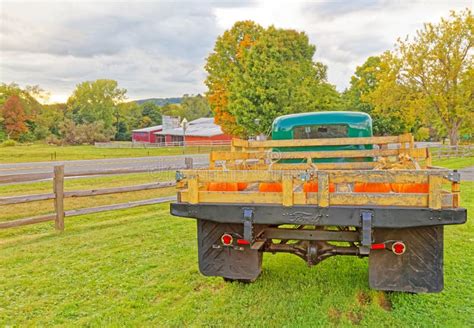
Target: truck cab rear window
(320, 131)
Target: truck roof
(357, 120)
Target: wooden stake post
(58, 189)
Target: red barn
(146, 134)
(202, 130)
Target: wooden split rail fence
(59, 194)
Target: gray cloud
(159, 48)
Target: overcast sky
(158, 49)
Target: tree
(257, 73)
(87, 133)
(195, 107)
(430, 78)
(438, 66)
(51, 117)
(14, 117)
(152, 111)
(175, 110)
(96, 101)
(374, 90)
(27, 96)
(225, 63)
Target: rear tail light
(227, 239)
(242, 242)
(377, 246)
(398, 248)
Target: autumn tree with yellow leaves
(426, 80)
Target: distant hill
(160, 101)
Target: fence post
(58, 189)
(188, 161)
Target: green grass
(43, 152)
(138, 267)
(454, 163)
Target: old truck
(323, 186)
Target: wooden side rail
(301, 198)
(193, 188)
(221, 155)
(244, 151)
(249, 144)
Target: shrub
(8, 143)
(88, 133)
(423, 134)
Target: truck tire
(418, 270)
(233, 264)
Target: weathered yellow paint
(336, 176)
(379, 199)
(323, 189)
(456, 191)
(435, 185)
(240, 197)
(193, 190)
(287, 186)
(228, 156)
(324, 142)
(382, 176)
(428, 157)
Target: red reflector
(398, 248)
(377, 246)
(227, 239)
(243, 242)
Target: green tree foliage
(152, 111)
(425, 81)
(437, 67)
(175, 110)
(195, 107)
(257, 73)
(191, 108)
(375, 77)
(95, 101)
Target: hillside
(160, 101)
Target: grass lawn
(138, 267)
(454, 163)
(43, 152)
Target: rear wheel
(233, 263)
(419, 269)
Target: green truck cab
(323, 125)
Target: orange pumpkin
(222, 186)
(241, 186)
(418, 188)
(372, 187)
(270, 187)
(313, 187)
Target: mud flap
(227, 262)
(418, 270)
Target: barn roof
(149, 129)
(201, 127)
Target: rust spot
(355, 317)
(384, 302)
(363, 298)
